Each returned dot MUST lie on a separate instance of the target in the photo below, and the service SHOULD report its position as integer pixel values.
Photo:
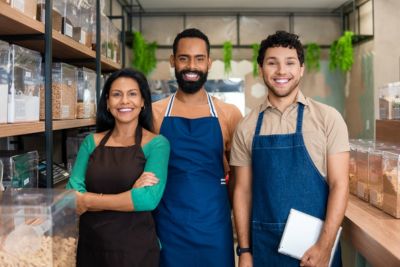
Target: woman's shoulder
(152, 139)
(97, 137)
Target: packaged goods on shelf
(391, 183)
(389, 101)
(73, 144)
(114, 45)
(86, 106)
(20, 169)
(353, 166)
(362, 170)
(103, 35)
(4, 71)
(38, 227)
(69, 16)
(88, 10)
(55, 15)
(28, 7)
(64, 89)
(24, 82)
(375, 174)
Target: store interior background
(354, 94)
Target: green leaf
(227, 56)
(313, 54)
(256, 48)
(144, 54)
(341, 53)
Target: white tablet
(301, 232)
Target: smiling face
(191, 63)
(125, 100)
(281, 71)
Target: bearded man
(193, 219)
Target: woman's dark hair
(191, 33)
(281, 39)
(105, 120)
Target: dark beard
(190, 87)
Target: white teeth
(124, 109)
(281, 80)
(191, 75)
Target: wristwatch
(240, 251)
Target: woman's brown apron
(112, 238)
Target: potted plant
(313, 54)
(256, 48)
(341, 53)
(144, 54)
(227, 48)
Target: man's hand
(316, 256)
(146, 179)
(246, 260)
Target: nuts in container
(64, 90)
(38, 227)
(375, 179)
(362, 170)
(391, 180)
(86, 106)
(353, 166)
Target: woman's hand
(146, 179)
(80, 203)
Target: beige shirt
(324, 131)
(228, 117)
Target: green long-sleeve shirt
(145, 198)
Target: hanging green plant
(144, 54)
(313, 54)
(256, 48)
(227, 56)
(341, 53)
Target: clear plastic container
(56, 23)
(375, 175)
(87, 11)
(4, 71)
(389, 101)
(391, 183)
(20, 169)
(362, 170)
(64, 90)
(86, 106)
(353, 166)
(38, 227)
(114, 44)
(24, 83)
(28, 7)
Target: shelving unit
(19, 29)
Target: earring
(142, 108)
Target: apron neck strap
(105, 138)
(299, 124)
(300, 112)
(138, 136)
(211, 105)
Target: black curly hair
(281, 39)
(191, 33)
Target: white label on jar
(3, 102)
(109, 55)
(68, 30)
(69, 82)
(20, 110)
(28, 74)
(19, 4)
(26, 181)
(64, 111)
(115, 56)
(83, 37)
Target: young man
(193, 218)
(290, 152)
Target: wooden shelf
(375, 234)
(388, 131)
(38, 127)
(65, 48)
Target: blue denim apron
(193, 218)
(284, 177)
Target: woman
(120, 175)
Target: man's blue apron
(193, 219)
(284, 177)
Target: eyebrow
(285, 58)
